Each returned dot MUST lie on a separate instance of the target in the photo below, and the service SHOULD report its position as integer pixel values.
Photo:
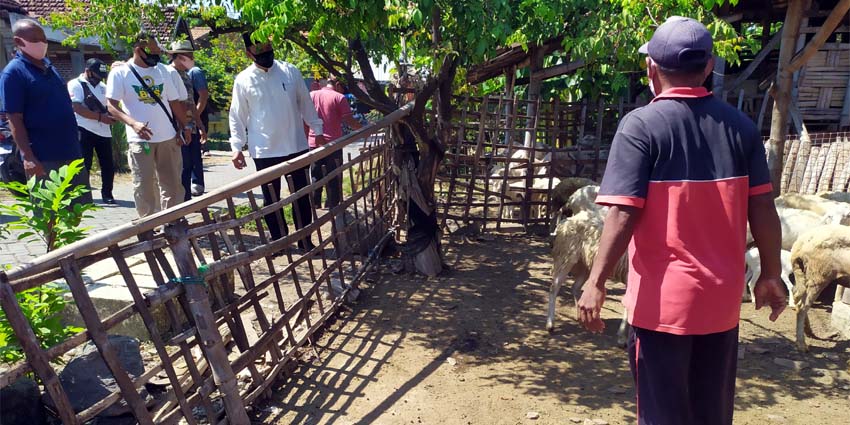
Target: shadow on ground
(470, 347)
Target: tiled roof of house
(42, 8)
(12, 6)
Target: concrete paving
(218, 172)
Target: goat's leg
(802, 319)
(751, 284)
(580, 275)
(553, 300)
(623, 331)
(790, 287)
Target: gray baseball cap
(679, 44)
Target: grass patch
(245, 209)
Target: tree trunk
(784, 79)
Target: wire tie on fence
(193, 280)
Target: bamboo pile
(818, 162)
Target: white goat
(753, 260)
(833, 212)
(573, 251)
(794, 223)
(820, 257)
(584, 199)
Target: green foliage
(245, 209)
(120, 146)
(41, 306)
(45, 209)
(115, 22)
(606, 35)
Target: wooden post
(95, 328)
(832, 21)
(36, 357)
(779, 122)
(598, 143)
(537, 57)
(204, 320)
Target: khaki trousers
(156, 176)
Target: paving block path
(218, 171)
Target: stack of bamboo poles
(817, 163)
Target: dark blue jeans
(193, 166)
(684, 379)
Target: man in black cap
(88, 95)
(684, 176)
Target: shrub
(41, 306)
(45, 208)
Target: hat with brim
(181, 46)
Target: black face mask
(265, 60)
(150, 59)
(94, 80)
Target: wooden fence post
(36, 357)
(204, 320)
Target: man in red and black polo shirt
(684, 176)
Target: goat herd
(815, 244)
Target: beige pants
(156, 176)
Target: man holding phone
(151, 109)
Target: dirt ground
(470, 347)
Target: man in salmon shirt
(334, 110)
(684, 176)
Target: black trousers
(92, 143)
(684, 379)
(302, 213)
(334, 186)
(193, 166)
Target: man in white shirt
(88, 97)
(269, 108)
(154, 152)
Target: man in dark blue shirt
(36, 101)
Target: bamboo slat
(811, 161)
(800, 166)
(788, 166)
(824, 183)
(814, 169)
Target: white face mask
(37, 50)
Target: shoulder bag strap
(87, 93)
(156, 98)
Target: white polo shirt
(78, 95)
(268, 111)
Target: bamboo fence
(239, 306)
(488, 176)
